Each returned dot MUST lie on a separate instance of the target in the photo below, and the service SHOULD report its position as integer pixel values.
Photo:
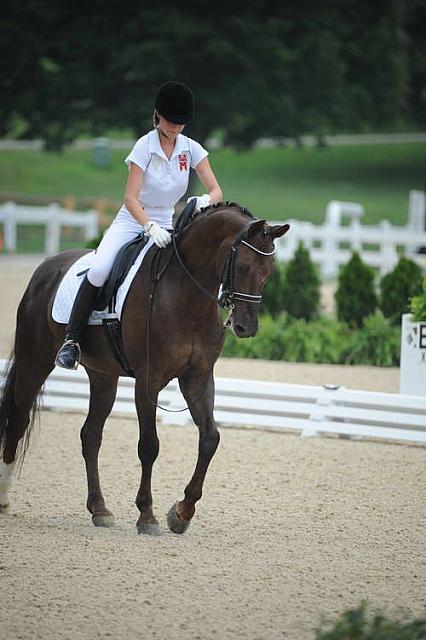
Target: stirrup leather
(69, 343)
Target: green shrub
(273, 301)
(355, 295)
(397, 287)
(418, 305)
(376, 343)
(267, 344)
(356, 624)
(301, 288)
(294, 340)
(320, 341)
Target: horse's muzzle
(244, 329)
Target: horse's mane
(189, 214)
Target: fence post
(10, 227)
(53, 230)
(388, 253)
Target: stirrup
(74, 361)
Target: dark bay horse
(222, 245)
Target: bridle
(228, 295)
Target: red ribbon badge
(183, 162)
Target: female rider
(159, 165)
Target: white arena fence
(380, 246)
(330, 244)
(304, 409)
(53, 217)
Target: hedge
(325, 341)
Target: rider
(159, 166)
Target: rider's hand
(160, 236)
(202, 201)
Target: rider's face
(169, 129)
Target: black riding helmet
(175, 102)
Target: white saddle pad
(68, 288)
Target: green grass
(277, 183)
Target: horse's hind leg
(103, 389)
(198, 392)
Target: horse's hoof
(103, 520)
(4, 508)
(148, 528)
(175, 522)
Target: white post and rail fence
(307, 410)
(330, 244)
(53, 217)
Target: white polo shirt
(165, 181)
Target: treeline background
(266, 69)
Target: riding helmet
(175, 102)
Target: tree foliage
(355, 296)
(398, 286)
(301, 290)
(278, 69)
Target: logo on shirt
(183, 162)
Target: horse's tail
(8, 410)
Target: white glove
(202, 201)
(160, 236)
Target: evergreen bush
(301, 290)
(355, 295)
(273, 300)
(397, 287)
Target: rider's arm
(131, 195)
(160, 236)
(207, 177)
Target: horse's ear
(277, 231)
(256, 228)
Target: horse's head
(249, 263)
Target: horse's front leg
(199, 394)
(148, 448)
(103, 390)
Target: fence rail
(304, 409)
(53, 217)
(330, 247)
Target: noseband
(228, 295)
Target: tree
(301, 292)
(72, 68)
(398, 286)
(355, 296)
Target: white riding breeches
(122, 230)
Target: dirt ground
(288, 529)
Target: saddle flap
(121, 267)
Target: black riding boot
(68, 356)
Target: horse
(172, 327)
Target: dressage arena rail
(53, 217)
(305, 409)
